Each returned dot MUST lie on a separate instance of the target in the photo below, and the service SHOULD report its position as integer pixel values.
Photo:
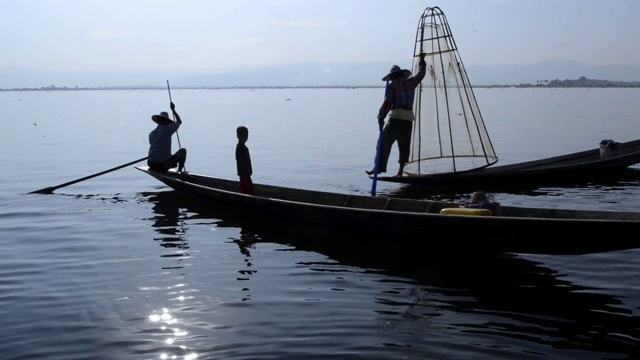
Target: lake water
(121, 267)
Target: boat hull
(580, 166)
(420, 223)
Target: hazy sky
(213, 34)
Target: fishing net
(449, 134)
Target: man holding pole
(160, 157)
(398, 104)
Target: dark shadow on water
(525, 300)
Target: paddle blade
(48, 190)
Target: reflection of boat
(582, 166)
(450, 144)
(513, 229)
(167, 223)
(494, 290)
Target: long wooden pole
(174, 117)
(51, 189)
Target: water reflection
(510, 297)
(525, 300)
(168, 222)
(513, 299)
(170, 214)
(246, 243)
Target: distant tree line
(66, 88)
(582, 82)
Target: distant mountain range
(305, 74)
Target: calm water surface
(121, 267)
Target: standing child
(243, 161)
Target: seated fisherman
(160, 157)
(479, 200)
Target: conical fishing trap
(449, 134)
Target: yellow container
(466, 211)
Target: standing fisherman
(398, 103)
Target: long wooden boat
(424, 224)
(581, 165)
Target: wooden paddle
(50, 189)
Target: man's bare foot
(372, 171)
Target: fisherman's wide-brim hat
(479, 197)
(162, 118)
(397, 72)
